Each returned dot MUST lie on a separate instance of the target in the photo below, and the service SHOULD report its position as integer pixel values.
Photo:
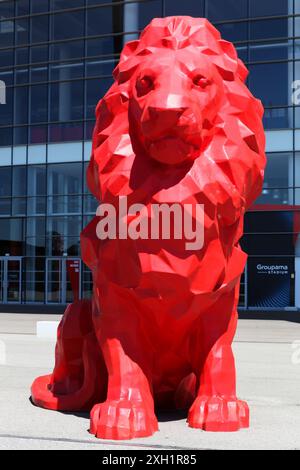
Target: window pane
(68, 204)
(11, 236)
(22, 7)
(38, 134)
(66, 101)
(5, 136)
(66, 132)
(39, 28)
(35, 226)
(66, 226)
(234, 31)
(279, 172)
(103, 46)
(100, 67)
(6, 111)
(36, 205)
(65, 178)
(22, 56)
(271, 29)
(5, 181)
(278, 118)
(226, 10)
(274, 51)
(95, 89)
(36, 180)
(39, 74)
(19, 181)
(147, 11)
(67, 25)
(21, 105)
(100, 21)
(188, 7)
(22, 31)
(62, 4)
(282, 196)
(5, 207)
(66, 71)
(272, 92)
(67, 50)
(266, 8)
(7, 30)
(39, 54)
(6, 58)
(20, 135)
(39, 103)
(39, 6)
(7, 10)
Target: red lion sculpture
(178, 126)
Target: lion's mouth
(172, 150)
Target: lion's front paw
(122, 420)
(218, 414)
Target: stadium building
(56, 59)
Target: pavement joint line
(9, 333)
(101, 442)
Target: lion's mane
(232, 165)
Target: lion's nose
(161, 120)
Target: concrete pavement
(268, 365)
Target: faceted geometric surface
(178, 126)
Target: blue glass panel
(270, 29)
(7, 9)
(62, 4)
(39, 6)
(22, 56)
(275, 92)
(226, 9)
(20, 135)
(268, 8)
(95, 89)
(38, 134)
(66, 101)
(39, 103)
(39, 54)
(6, 110)
(39, 28)
(148, 11)
(66, 71)
(274, 51)
(6, 58)
(7, 30)
(5, 182)
(22, 7)
(67, 50)
(186, 7)
(67, 131)
(5, 137)
(278, 118)
(67, 25)
(21, 105)
(234, 31)
(97, 67)
(100, 21)
(22, 31)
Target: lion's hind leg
(79, 377)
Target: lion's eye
(144, 85)
(201, 81)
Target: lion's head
(179, 96)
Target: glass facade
(56, 59)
